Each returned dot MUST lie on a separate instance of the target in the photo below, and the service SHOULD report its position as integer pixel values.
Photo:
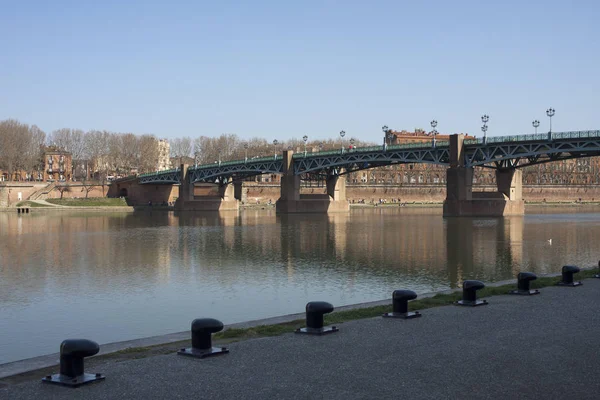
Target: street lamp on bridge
(352, 143)
(245, 152)
(385, 130)
(550, 113)
(275, 142)
(434, 132)
(321, 146)
(342, 134)
(535, 124)
(484, 118)
(305, 139)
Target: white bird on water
(549, 241)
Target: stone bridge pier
(461, 201)
(292, 201)
(207, 197)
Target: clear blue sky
(282, 69)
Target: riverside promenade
(528, 347)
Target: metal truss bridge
(496, 152)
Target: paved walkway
(539, 347)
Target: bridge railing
(532, 137)
(234, 162)
(441, 144)
(167, 171)
(371, 149)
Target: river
(119, 276)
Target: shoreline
(130, 209)
(167, 343)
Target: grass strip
(29, 204)
(91, 202)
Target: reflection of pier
(474, 243)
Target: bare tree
(62, 189)
(69, 140)
(15, 140)
(130, 151)
(148, 154)
(181, 147)
(33, 158)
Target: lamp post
(385, 130)
(434, 132)
(321, 146)
(535, 124)
(484, 118)
(305, 138)
(342, 134)
(275, 142)
(550, 113)
(245, 152)
(352, 143)
(484, 129)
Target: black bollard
(598, 276)
(400, 300)
(314, 319)
(72, 353)
(469, 299)
(202, 330)
(567, 276)
(523, 280)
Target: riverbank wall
(260, 193)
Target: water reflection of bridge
(366, 245)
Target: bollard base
(73, 382)
(597, 276)
(571, 284)
(471, 303)
(406, 315)
(204, 353)
(317, 331)
(525, 292)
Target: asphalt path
(527, 347)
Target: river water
(116, 276)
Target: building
(419, 136)
(177, 161)
(164, 150)
(58, 165)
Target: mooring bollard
(400, 300)
(598, 276)
(314, 319)
(567, 276)
(202, 330)
(469, 299)
(72, 353)
(523, 280)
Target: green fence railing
(536, 137)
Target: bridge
(505, 154)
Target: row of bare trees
(206, 150)
(21, 146)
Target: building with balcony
(58, 165)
